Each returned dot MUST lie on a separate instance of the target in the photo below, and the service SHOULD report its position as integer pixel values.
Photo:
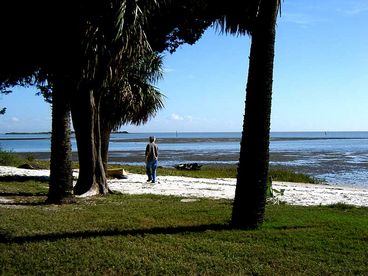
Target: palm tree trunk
(105, 139)
(100, 173)
(85, 114)
(61, 175)
(250, 194)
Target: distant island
(23, 133)
(121, 132)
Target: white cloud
(168, 70)
(355, 10)
(301, 19)
(176, 117)
(14, 119)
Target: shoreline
(222, 188)
(329, 167)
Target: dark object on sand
(26, 166)
(188, 167)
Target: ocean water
(336, 157)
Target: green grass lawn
(157, 235)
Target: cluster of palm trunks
(83, 62)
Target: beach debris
(187, 200)
(188, 166)
(273, 195)
(118, 173)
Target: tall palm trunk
(250, 195)
(105, 139)
(61, 176)
(85, 114)
(100, 173)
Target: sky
(320, 77)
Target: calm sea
(336, 157)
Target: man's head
(152, 139)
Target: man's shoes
(149, 180)
(153, 182)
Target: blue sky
(320, 77)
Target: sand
(224, 188)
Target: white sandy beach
(224, 188)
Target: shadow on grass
(5, 238)
(23, 199)
(23, 178)
(38, 203)
(25, 194)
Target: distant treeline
(122, 132)
(48, 132)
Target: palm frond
(131, 97)
(238, 17)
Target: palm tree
(259, 20)
(114, 39)
(76, 58)
(135, 102)
(61, 177)
(44, 61)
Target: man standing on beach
(151, 159)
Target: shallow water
(337, 157)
